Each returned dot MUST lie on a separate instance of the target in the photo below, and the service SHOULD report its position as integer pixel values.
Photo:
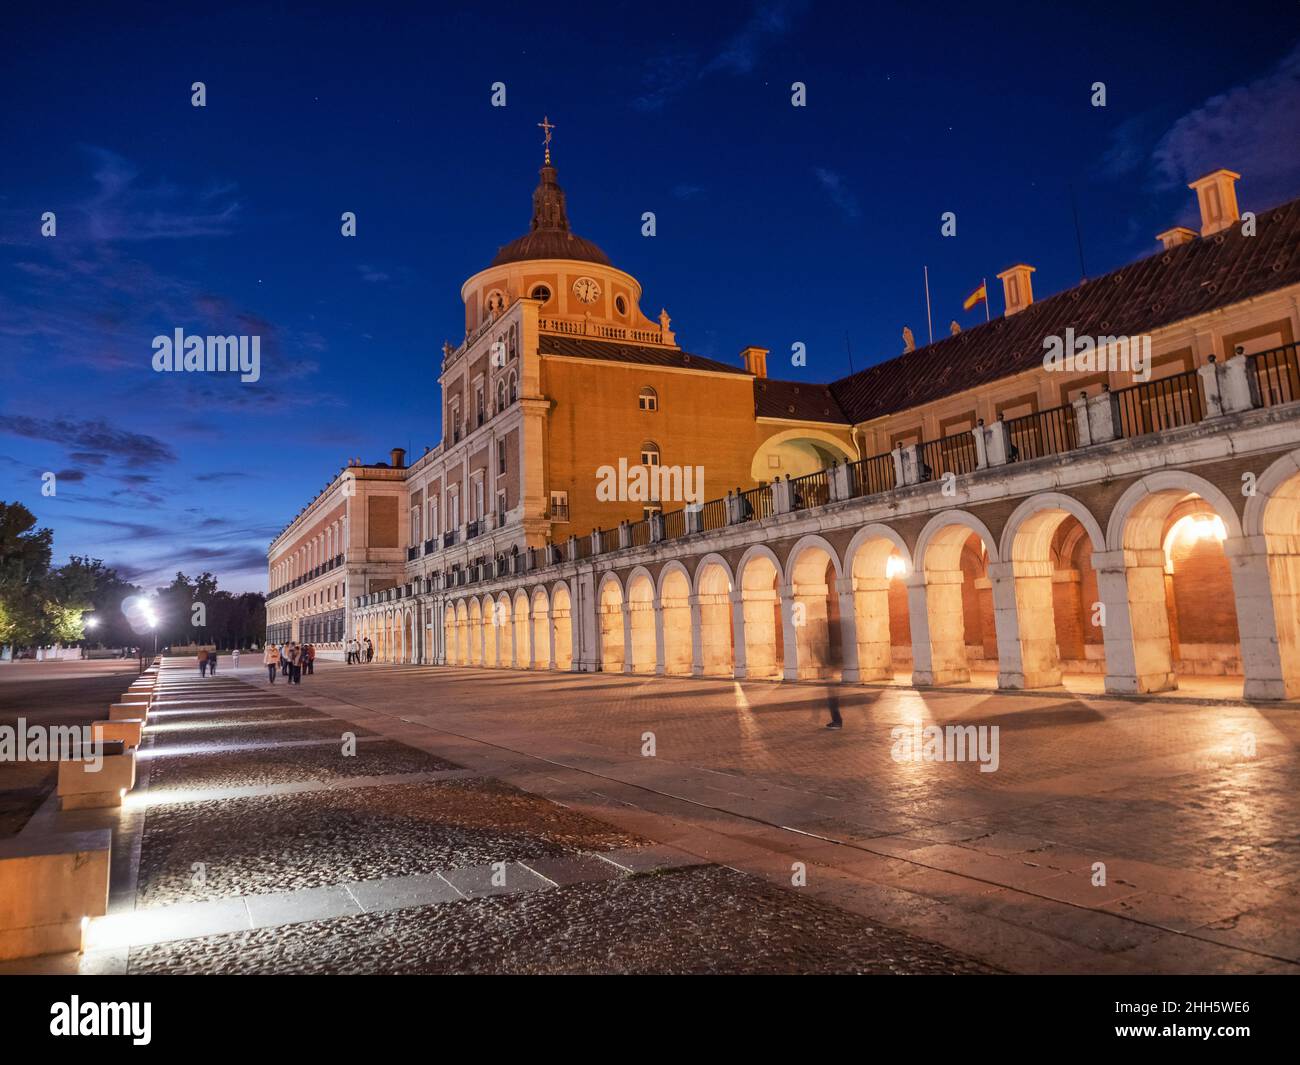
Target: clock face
(586, 289)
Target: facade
(961, 512)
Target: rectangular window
(560, 506)
(478, 406)
(501, 456)
(478, 499)
(501, 508)
(433, 518)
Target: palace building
(957, 514)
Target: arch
(1043, 536)
(450, 647)
(543, 655)
(675, 619)
(474, 633)
(799, 451)
(939, 528)
(760, 578)
(712, 561)
(610, 607)
(1142, 586)
(1149, 501)
(562, 624)
(882, 627)
(1271, 652)
(714, 588)
(523, 631)
(1276, 482)
(813, 566)
(640, 605)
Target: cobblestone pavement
(268, 835)
(699, 920)
(1190, 808)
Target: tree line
(83, 600)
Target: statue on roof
(909, 342)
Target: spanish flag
(980, 294)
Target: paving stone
(399, 892)
(308, 904)
(478, 881)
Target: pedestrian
(271, 659)
(836, 722)
(235, 656)
(212, 663)
(284, 659)
(310, 658)
(370, 650)
(295, 664)
(203, 661)
(354, 651)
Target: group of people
(207, 661)
(359, 650)
(290, 660)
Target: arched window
(649, 453)
(514, 387)
(512, 343)
(648, 399)
(501, 396)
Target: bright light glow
(895, 567)
(1192, 528)
(91, 622)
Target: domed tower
(578, 291)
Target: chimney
(1171, 238)
(755, 360)
(1216, 194)
(1017, 289)
(398, 457)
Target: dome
(549, 235)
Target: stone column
(874, 651)
(1267, 591)
(697, 636)
(938, 628)
(656, 604)
(738, 658)
(1131, 585)
(789, 637)
(849, 673)
(627, 635)
(1024, 618)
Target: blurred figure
(271, 659)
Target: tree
(24, 564)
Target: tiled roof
(614, 351)
(797, 400)
(1191, 279)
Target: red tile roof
(796, 400)
(616, 351)
(1191, 279)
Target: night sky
(776, 224)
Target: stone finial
(909, 341)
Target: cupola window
(648, 399)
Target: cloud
(123, 209)
(135, 450)
(833, 183)
(71, 475)
(670, 73)
(687, 192)
(369, 273)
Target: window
(542, 293)
(620, 304)
(455, 421)
(501, 396)
(501, 456)
(415, 525)
(514, 387)
(649, 453)
(478, 406)
(501, 508)
(478, 499)
(512, 343)
(453, 511)
(649, 399)
(433, 518)
(560, 506)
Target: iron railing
(810, 490)
(713, 515)
(955, 454)
(1277, 374)
(675, 525)
(1045, 432)
(755, 504)
(1165, 403)
(870, 476)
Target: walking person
(284, 659)
(212, 663)
(295, 664)
(271, 659)
(370, 650)
(836, 722)
(310, 658)
(235, 656)
(203, 662)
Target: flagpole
(928, 324)
(986, 299)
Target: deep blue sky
(775, 224)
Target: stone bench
(128, 712)
(126, 731)
(82, 787)
(49, 887)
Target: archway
(543, 657)
(641, 623)
(462, 633)
(814, 609)
(1272, 658)
(504, 625)
(1048, 544)
(675, 615)
(450, 636)
(878, 561)
(523, 632)
(952, 591)
(760, 576)
(562, 626)
(1168, 572)
(717, 641)
(612, 657)
(474, 632)
(795, 452)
